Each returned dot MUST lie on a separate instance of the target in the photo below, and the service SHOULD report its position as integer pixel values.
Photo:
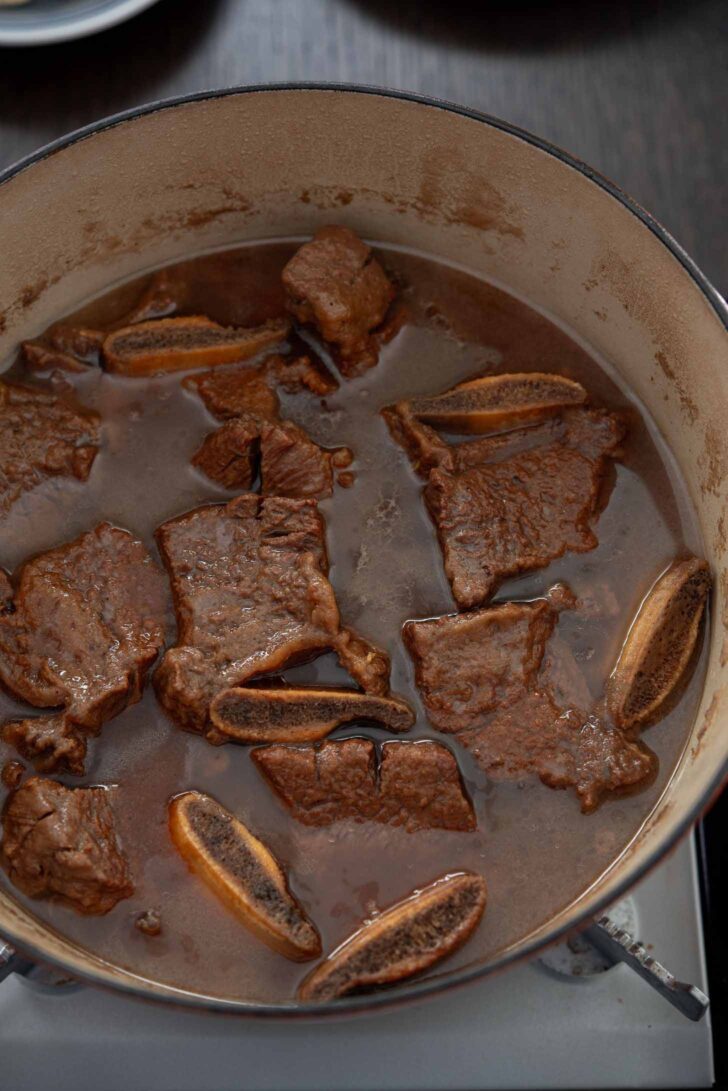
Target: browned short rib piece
(291, 464)
(660, 643)
(420, 787)
(342, 457)
(81, 342)
(38, 356)
(6, 592)
(42, 436)
(236, 392)
(12, 773)
(491, 402)
(297, 373)
(409, 937)
(49, 742)
(414, 784)
(85, 628)
(293, 714)
(425, 449)
(516, 502)
(243, 873)
(60, 843)
(335, 284)
(323, 784)
(468, 665)
(367, 664)
(251, 594)
(481, 678)
(181, 344)
(228, 456)
(68, 348)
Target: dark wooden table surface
(637, 88)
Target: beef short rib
(514, 501)
(412, 784)
(41, 436)
(482, 678)
(236, 392)
(64, 348)
(49, 742)
(291, 464)
(228, 456)
(303, 372)
(335, 284)
(85, 625)
(60, 843)
(254, 438)
(251, 593)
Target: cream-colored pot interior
(220, 169)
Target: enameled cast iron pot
(157, 184)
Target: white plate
(41, 22)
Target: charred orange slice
(243, 873)
(406, 939)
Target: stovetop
(528, 1028)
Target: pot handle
(617, 945)
(34, 974)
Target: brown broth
(537, 851)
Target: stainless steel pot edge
(418, 989)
